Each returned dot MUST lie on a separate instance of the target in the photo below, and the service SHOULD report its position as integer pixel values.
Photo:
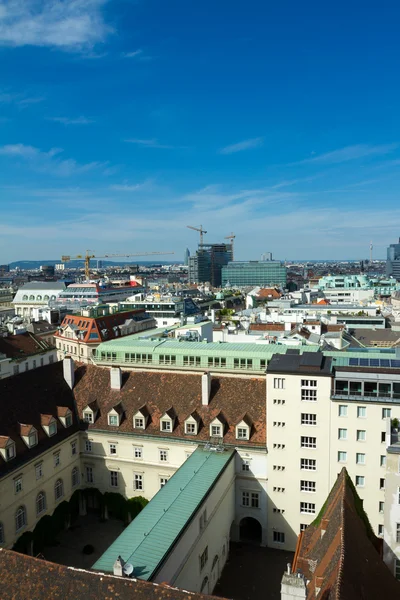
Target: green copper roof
(162, 346)
(149, 538)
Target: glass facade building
(254, 273)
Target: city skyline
(121, 124)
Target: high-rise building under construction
(206, 264)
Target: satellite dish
(128, 569)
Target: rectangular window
(279, 537)
(308, 419)
(166, 426)
(203, 558)
(114, 478)
(216, 430)
(245, 498)
(164, 455)
(342, 456)
(18, 485)
(361, 435)
(279, 383)
(342, 434)
(113, 419)
(382, 483)
(138, 482)
(397, 533)
(138, 452)
(382, 509)
(73, 448)
(307, 486)
(342, 410)
(361, 412)
(88, 417)
(242, 433)
(303, 527)
(190, 428)
(386, 412)
(139, 423)
(380, 530)
(360, 480)
(310, 383)
(255, 500)
(309, 395)
(89, 474)
(383, 460)
(88, 446)
(113, 448)
(308, 464)
(39, 471)
(307, 508)
(57, 459)
(246, 465)
(163, 481)
(397, 568)
(383, 437)
(308, 442)
(360, 458)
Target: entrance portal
(250, 530)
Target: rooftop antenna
(370, 252)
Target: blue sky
(122, 122)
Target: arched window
(46, 297)
(58, 489)
(25, 297)
(31, 297)
(204, 585)
(20, 518)
(40, 503)
(75, 476)
(38, 297)
(2, 540)
(214, 562)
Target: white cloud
(21, 100)
(133, 54)
(48, 162)
(240, 146)
(129, 188)
(348, 153)
(71, 121)
(150, 144)
(67, 24)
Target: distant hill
(76, 264)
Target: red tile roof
(100, 329)
(269, 293)
(22, 345)
(26, 578)
(23, 398)
(339, 553)
(267, 327)
(181, 393)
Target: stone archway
(250, 530)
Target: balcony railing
(367, 396)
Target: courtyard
(85, 530)
(253, 573)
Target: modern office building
(208, 262)
(186, 257)
(393, 261)
(264, 273)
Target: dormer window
(140, 418)
(242, 433)
(52, 428)
(65, 416)
(49, 424)
(7, 447)
(138, 423)
(217, 428)
(166, 425)
(113, 420)
(243, 428)
(192, 424)
(32, 439)
(88, 417)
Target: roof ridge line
(342, 548)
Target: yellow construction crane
(87, 257)
(200, 230)
(231, 237)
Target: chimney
(205, 388)
(115, 378)
(118, 566)
(69, 371)
(293, 586)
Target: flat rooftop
(148, 540)
(308, 363)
